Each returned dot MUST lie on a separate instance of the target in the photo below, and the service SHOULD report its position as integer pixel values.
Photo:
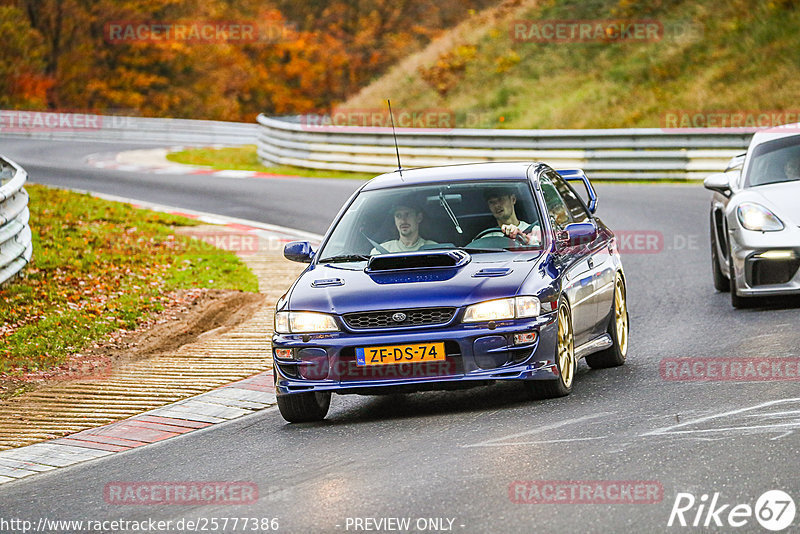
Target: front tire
(565, 360)
(618, 328)
(305, 407)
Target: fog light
(777, 255)
(285, 354)
(524, 338)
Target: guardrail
(16, 247)
(629, 154)
(113, 128)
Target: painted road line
(503, 441)
(736, 421)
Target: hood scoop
(409, 261)
(327, 282)
(492, 272)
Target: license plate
(395, 354)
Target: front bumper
(760, 275)
(475, 353)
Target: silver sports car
(755, 219)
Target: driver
(792, 168)
(407, 218)
(502, 201)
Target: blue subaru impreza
(451, 277)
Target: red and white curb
(228, 402)
(154, 161)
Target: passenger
(502, 203)
(792, 168)
(407, 218)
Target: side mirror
(720, 183)
(299, 251)
(577, 234)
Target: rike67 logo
(774, 510)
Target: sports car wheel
(721, 283)
(305, 407)
(565, 360)
(618, 330)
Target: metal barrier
(628, 154)
(78, 126)
(16, 247)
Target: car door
(577, 281)
(600, 260)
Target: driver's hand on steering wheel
(515, 233)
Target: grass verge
(710, 57)
(99, 266)
(245, 158)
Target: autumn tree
(309, 54)
(23, 82)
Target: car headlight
(500, 309)
(304, 323)
(758, 218)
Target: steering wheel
(497, 229)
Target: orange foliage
(305, 56)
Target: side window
(574, 204)
(557, 209)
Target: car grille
(384, 319)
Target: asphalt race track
(458, 455)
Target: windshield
(774, 162)
(467, 215)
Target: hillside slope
(708, 56)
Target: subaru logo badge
(399, 317)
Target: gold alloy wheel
(621, 316)
(566, 347)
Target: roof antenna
(396, 148)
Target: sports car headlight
(758, 218)
(500, 309)
(304, 323)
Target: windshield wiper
(446, 206)
(345, 257)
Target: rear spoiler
(573, 175)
